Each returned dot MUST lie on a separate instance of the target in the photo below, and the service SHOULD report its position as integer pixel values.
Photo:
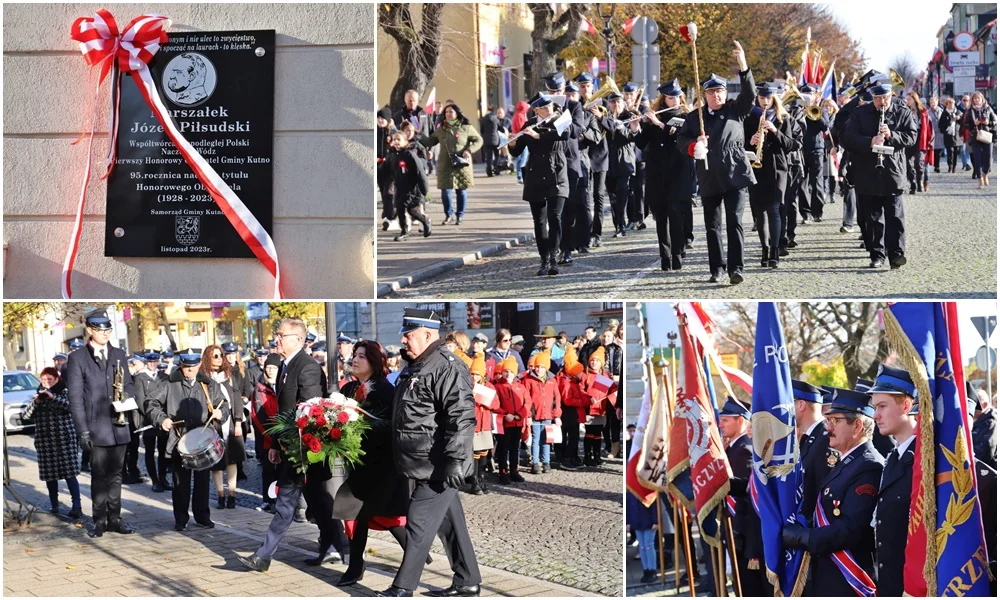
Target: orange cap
(509, 364)
(543, 359)
(571, 362)
(478, 366)
(599, 355)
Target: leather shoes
(455, 590)
(897, 261)
(180, 526)
(395, 592)
(735, 278)
(121, 528)
(205, 524)
(331, 556)
(877, 264)
(255, 563)
(350, 578)
(97, 531)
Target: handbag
(458, 161)
(482, 441)
(984, 136)
(595, 420)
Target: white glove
(700, 151)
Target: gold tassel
(918, 372)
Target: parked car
(18, 390)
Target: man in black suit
(299, 379)
(90, 376)
(433, 419)
(814, 443)
(894, 398)
(734, 421)
(843, 513)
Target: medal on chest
(836, 508)
(832, 459)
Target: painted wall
(323, 208)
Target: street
(951, 251)
(554, 535)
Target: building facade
(323, 121)
(957, 72)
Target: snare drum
(200, 448)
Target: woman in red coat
(513, 407)
(546, 406)
(594, 382)
(482, 443)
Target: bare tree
(804, 339)
(853, 327)
(418, 49)
(903, 64)
(551, 35)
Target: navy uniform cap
(392, 350)
(59, 355)
(75, 344)
(713, 82)
(343, 339)
(806, 391)
(541, 101)
(572, 89)
(190, 357)
(863, 385)
(671, 88)
(162, 366)
(310, 337)
(272, 344)
(827, 392)
(891, 380)
(584, 78)
(97, 319)
(807, 89)
(554, 81)
(881, 89)
(151, 356)
(319, 346)
(615, 96)
(135, 358)
(630, 87)
(850, 402)
(644, 98)
(262, 352)
(167, 354)
(765, 90)
(866, 96)
(230, 347)
(734, 408)
(415, 318)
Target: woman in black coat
(55, 438)
(781, 138)
(950, 125)
(546, 179)
(668, 173)
(384, 493)
(215, 367)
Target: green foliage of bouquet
(322, 429)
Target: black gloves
(795, 536)
(85, 442)
(454, 474)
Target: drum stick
(141, 429)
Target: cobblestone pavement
(951, 252)
(557, 534)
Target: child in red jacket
(575, 405)
(482, 443)
(595, 417)
(514, 405)
(546, 406)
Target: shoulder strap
(208, 398)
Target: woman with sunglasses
(215, 367)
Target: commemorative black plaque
(218, 88)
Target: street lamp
(609, 44)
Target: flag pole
(687, 548)
(737, 584)
(719, 584)
(659, 536)
(677, 551)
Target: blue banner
(957, 534)
(776, 481)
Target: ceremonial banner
(710, 470)
(651, 469)
(704, 330)
(946, 549)
(645, 494)
(776, 483)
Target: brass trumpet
(607, 89)
(791, 94)
(119, 395)
(814, 112)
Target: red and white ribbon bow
(102, 45)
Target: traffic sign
(986, 361)
(963, 59)
(645, 30)
(964, 41)
(985, 326)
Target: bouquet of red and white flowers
(322, 429)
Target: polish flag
(586, 27)
(431, 98)
(483, 395)
(600, 387)
(627, 27)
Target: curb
(386, 289)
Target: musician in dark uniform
(794, 201)
(546, 178)
(734, 421)
(984, 448)
(848, 105)
(555, 84)
(154, 440)
(668, 181)
(781, 139)
(846, 502)
(432, 427)
(879, 178)
(728, 173)
(814, 151)
(814, 443)
(90, 378)
(635, 211)
(183, 404)
(621, 138)
(256, 368)
(598, 155)
(894, 398)
(577, 213)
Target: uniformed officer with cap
(814, 152)
(724, 172)
(90, 378)
(843, 514)
(814, 443)
(621, 138)
(880, 178)
(894, 398)
(256, 368)
(578, 214)
(310, 340)
(598, 155)
(577, 176)
(154, 440)
(59, 361)
(883, 443)
(432, 428)
(734, 421)
(635, 210)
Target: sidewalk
(54, 557)
(495, 219)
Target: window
(196, 328)
(16, 382)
